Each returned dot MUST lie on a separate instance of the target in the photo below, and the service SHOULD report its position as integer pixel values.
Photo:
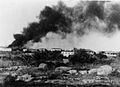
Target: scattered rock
(104, 70)
(12, 68)
(14, 74)
(83, 72)
(62, 68)
(43, 66)
(65, 61)
(72, 71)
(92, 71)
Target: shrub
(81, 56)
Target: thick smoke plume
(66, 27)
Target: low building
(55, 49)
(110, 53)
(41, 49)
(67, 53)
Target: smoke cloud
(83, 25)
(52, 40)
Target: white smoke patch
(53, 40)
(96, 41)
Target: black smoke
(95, 8)
(50, 20)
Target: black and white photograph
(59, 43)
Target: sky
(16, 14)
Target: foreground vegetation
(47, 69)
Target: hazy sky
(16, 14)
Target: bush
(43, 57)
(81, 56)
